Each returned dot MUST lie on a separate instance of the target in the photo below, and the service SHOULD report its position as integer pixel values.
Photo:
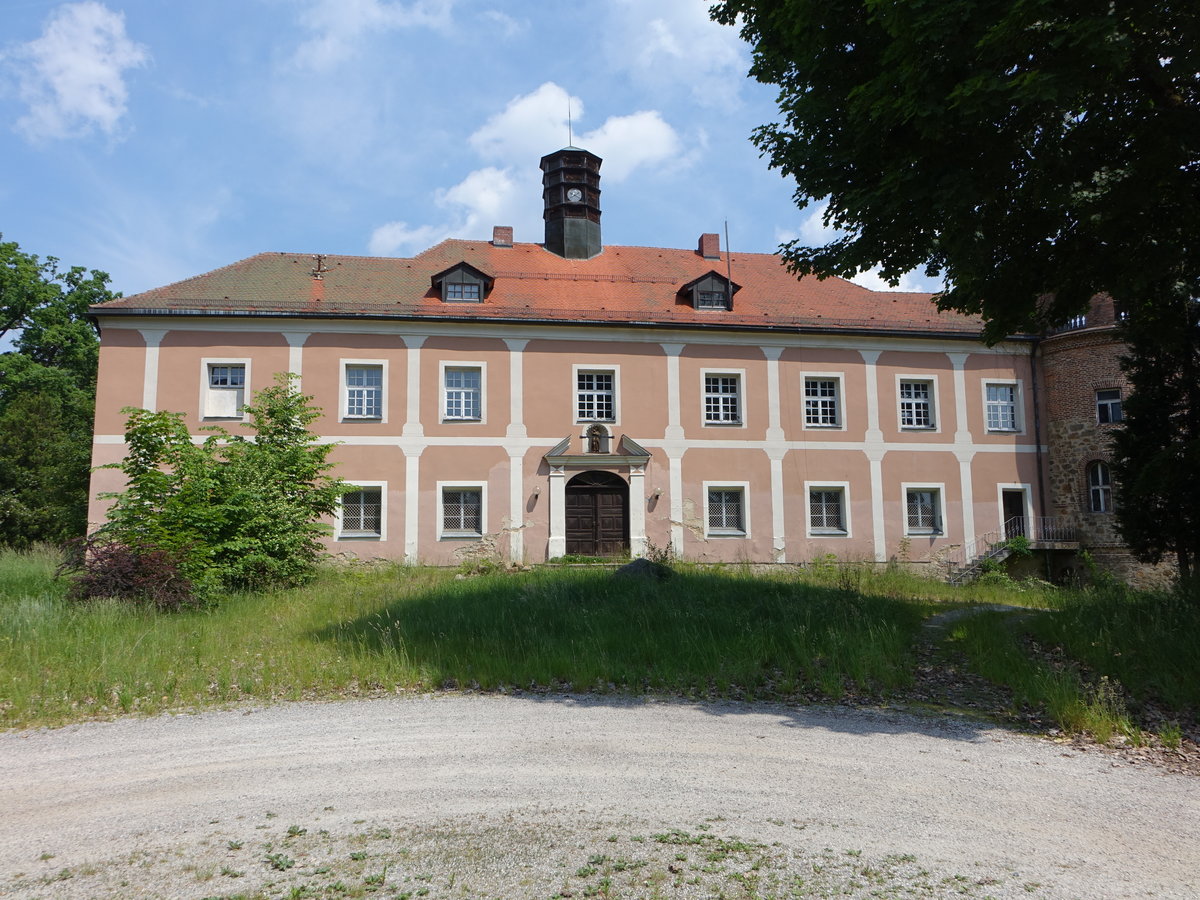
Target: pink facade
(767, 460)
(539, 400)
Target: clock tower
(571, 197)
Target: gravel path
(521, 792)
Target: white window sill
(828, 532)
(460, 536)
(359, 536)
(726, 533)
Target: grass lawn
(825, 632)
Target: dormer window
(712, 292)
(462, 283)
(463, 290)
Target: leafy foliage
(237, 512)
(1157, 451)
(47, 390)
(1034, 153)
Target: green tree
(1156, 454)
(1034, 153)
(47, 395)
(238, 512)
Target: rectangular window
(726, 513)
(827, 510)
(464, 387)
(1099, 488)
(821, 403)
(722, 400)
(595, 397)
(465, 291)
(362, 513)
(916, 404)
(364, 392)
(1001, 407)
(225, 390)
(462, 511)
(711, 300)
(924, 510)
(1108, 407)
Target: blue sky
(155, 139)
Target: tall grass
(696, 633)
(1150, 642)
(415, 629)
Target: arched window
(1099, 487)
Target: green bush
(235, 512)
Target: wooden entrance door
(597, 507)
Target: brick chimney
(502, 236)
(710, 246)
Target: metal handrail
(1044, 529)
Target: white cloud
(628, 142)
(506, 193)
(337, 25)
(813, 232)
(486, 197)
(528, 127)
(536, 122)
(509, 27)
(671, 44)
(72, 76)
(391, 238)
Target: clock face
(574, 195)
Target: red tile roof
(623, 285)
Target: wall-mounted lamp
(537, 489)
(656, 494)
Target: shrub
(136, 572)
(233, 512)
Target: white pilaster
(152, 337)
(296, 341)
(774, 427)
(637, 511)
(778, 529)
(412, 496)
(516, 386)
(878, 520)
(875, 451)
(412, 424)
(674, 430)
(558, 513)
(516, 504)
(963, 451)
(675, 472)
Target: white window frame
(740, 375)
(842, 487)
(339, 529)
(935, 399)
(744, 488)
(344, 390)
(1105, 490)
(600, 369)
(453, 535)
(1026, 503)
(464, 285)
(939, 511)
(206, 366)
(1120, 403)
(1017, 405)
(443, 414)
(839, 379)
